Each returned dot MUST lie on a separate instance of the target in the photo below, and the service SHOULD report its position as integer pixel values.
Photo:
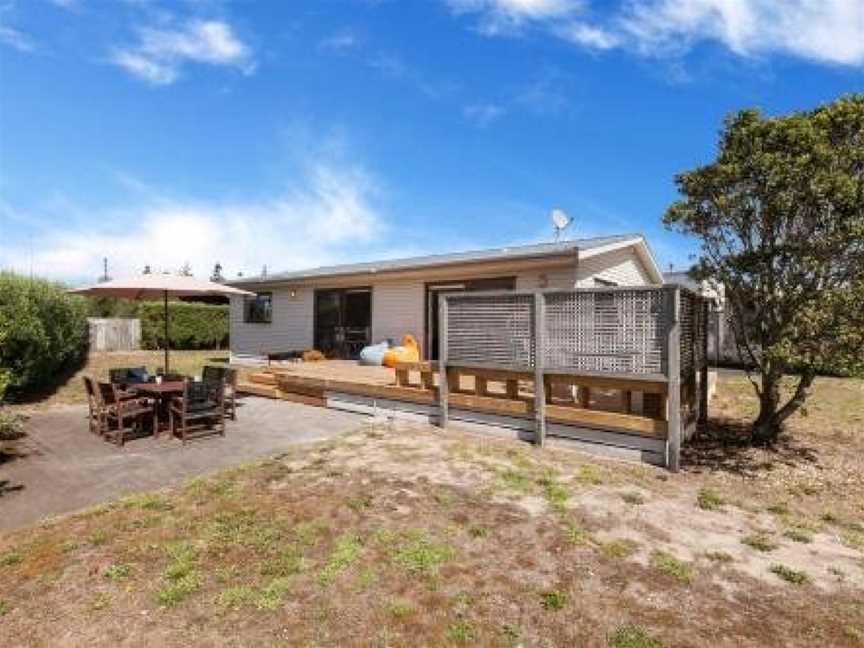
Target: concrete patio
(62, 467)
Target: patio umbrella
(159, 286)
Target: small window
(258, 309)
(604, 282)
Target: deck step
(257, 389)
(263, 378)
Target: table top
(172, 387)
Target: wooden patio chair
(118, 416)
(228, 377)
(201, 404)
(94, 412)
(126, 377)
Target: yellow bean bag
(408, 352)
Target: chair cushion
(201, 406)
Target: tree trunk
(769, 423)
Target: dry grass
(405, 535)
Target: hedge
(43, 330)
(191, 325)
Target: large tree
(780, 218)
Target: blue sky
(298, 133)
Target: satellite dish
(560, 221)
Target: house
(340, 309)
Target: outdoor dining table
(161, 393)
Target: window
(258, 309)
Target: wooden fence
(114, 334)
(651, 340)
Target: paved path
(65, 468)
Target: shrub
(190, 325)
(11, 426)
(43, 331)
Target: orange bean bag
(408, 352)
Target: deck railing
(633, 333)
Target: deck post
(703, 367)
(673, 374)
(443, 386)
(539, 377)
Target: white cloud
(16, 39)
(339, 42)
(830, 31)
(330, 218)
(483, 114)
(509, 16)
(161, 53)
(826, 31)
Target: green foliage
(790, 575)
(632, 636)
(11, 425)
(553, 600)
(190, 325)
(760, 542)
(118, 571)
(43, 331)
(709, 500)
(780, 217)
(672, 566)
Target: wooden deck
(600, 410)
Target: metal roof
(433, 260)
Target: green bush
(191, 325)
(43, 331)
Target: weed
(719, 556)
(98, 538)
(709, 500)
(365, 580)
(672, 566)
(760, 542)
(181, 576)
(799, 534)
(10, 558)
(307, 533)
(789, 575)
(556, 495)
(517, 481)
(400, 609)
(829, 518)
(178, 589)
(855, 634)
(360, 503)
(461, 632)
(553, 600)
(422, 556)
(100, 601)
(575, 533)
(633, 636)
(117, 572)
(633, 497)
(288, 563)
(477, 532)
(853, 539)
(4, 608)
(273, 594)
(236, 597)
(147, 502)
(345, 554)
(589, 474)
(511, 636)
(618, 549)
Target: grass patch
(556, 494)
(147, 502)
(780, 509)
(719, 556)
(346, 552)
(553, 600)
(401, 609)
(517, 481)
(633, 636)
(181, 577)
(672, 566)
(760, 542)
(633, 497)
(308, 533)
(619, 549)
(477, 532)
(360, 503)
(4, 608)
(789, 575)
(422, 555)
(287, 563)
(117, 572)
(511, 636)
(710, 500)
(799, 534)
(575, 533)
(273, 594)
(236, 597)
(589, 474)
(9, 558)
(461, 632)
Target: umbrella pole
(166, 331)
